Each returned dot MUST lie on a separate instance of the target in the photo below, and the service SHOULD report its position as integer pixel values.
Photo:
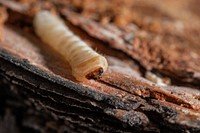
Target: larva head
(96, 74)
(91, 69)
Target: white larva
(84, 61)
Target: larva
(84, 61)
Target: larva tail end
(95, 74)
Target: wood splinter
(84, 61)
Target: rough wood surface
(39, 94)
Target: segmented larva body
(84, 61)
